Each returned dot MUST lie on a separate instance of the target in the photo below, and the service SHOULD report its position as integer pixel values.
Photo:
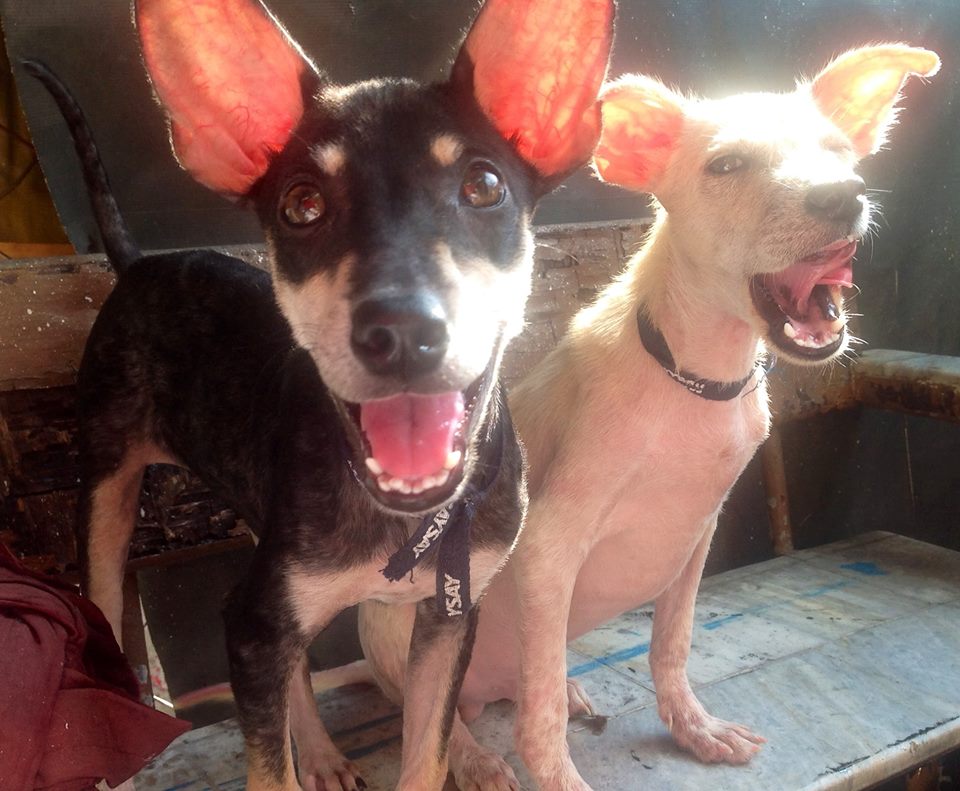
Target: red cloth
(69, 714)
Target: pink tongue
(411, 435)
(799, 279)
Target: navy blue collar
(656, 346)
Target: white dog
(644, 416)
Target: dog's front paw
(710, 739)
(484, 770)
(328, 771)
(550, 764)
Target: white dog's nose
(841, 200)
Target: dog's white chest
(658, 478)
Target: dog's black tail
(117, 240)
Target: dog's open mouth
(414, 446)
(803, 304)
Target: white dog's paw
(484, 770)
(322, 770)
(710, 739)
(578, 701)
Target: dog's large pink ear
(642, 122)
(229, 78)
(536, 68)
(860, 89)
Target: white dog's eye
(302, 205)
(482, 186)
(727, 163)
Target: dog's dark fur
(191, 362)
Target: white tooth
(405, 487)
(383, 482)
(429, 482)
(442, 478)
(453, 459)
(374, 466)
(788, 330)
(836, 325)
(417, 487)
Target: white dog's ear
(860, 89)
(642, 122)
(231, 81)
(535, 68)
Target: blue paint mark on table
(716, 623)
(865, 567)
(609, 660)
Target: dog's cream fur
(628, 470)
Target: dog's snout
(841, 200)
(405, 337)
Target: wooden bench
(844, 657)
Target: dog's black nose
(840, 200)
(404, 336)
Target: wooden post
(775, 484)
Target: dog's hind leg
(710, 739)
(108, 513)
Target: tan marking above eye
(330, 157)
(446, 149)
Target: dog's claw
(334, 774)
(578, 701)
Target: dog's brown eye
(482, 186)
(728, 163)
(302, 205)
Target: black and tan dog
(397, 220)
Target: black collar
(656, 346)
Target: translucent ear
(229, 78)
(536, 67)
(642, 122)
(860, 89)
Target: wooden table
(846, 657)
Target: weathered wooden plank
(918, 384)
(46, 310)
(47, 307)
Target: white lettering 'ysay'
(433, 532)
(451, 587)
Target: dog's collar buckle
(656, 346)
